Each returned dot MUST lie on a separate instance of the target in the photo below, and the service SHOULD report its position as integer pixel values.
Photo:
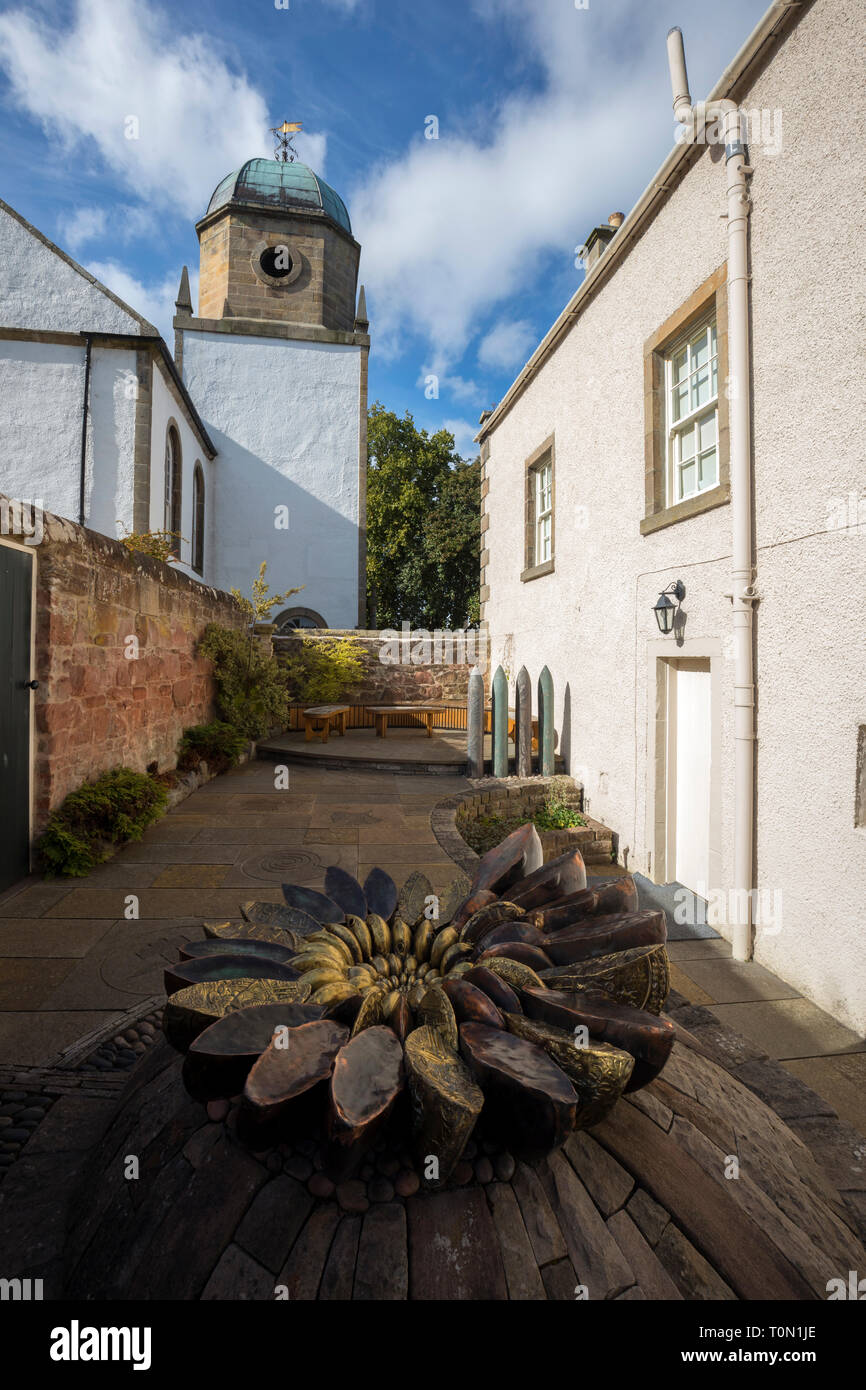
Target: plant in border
(218, 744)
(160, 545)
(116, 807)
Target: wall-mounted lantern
(665, 610)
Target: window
(293, 618)
(543, 512)
(172, 482)
(687, 466)
(198, 519)
(692, 414)
(539, 539)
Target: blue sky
(551, 115)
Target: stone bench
(318, 720)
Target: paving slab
(65, 937)
(844, 1090)
(735, 981)
(787, 1028)
(36, 1039)
(708, 948)
(25, 983)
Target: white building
(618, 463)
(252, 447)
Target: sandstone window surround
(686, 434)
(540, 510)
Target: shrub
(162, 545)
(319, 672)
(251, 686)
(556, 813)
(115, 808)
(218, 744)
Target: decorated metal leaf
(414, 898)
(314, 904)
(456, 892)
(519, 855)
(469, 906)
(250, 931)
(639, 977)
(191, 1010)
(605, 897)
(367, 1078)
(600, 936)
(272, 915)
(283, 1073)
(526, 1095)
(249, 1032)
(446, 1102)
(380, 890)
(598, 1072)
(345, 891)
(220, 1058)
(224, 967)
(506, 932)
(533, 956)
(556, 879)
(437, 1011)
(488, 917)
(241, 947)
(471, 1004)
(647, 1038)
(497, 989)
(518, 975)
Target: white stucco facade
(590, 620)
(284, 417)
(165, 412)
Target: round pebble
(320, 1186)
(503, 1167)
(307, 1147)
(275, 1162)
(9, 1110)
(298, 1167)
(388, 1165)
(5, 1120)
(352, 1196)
(463, 1173)
(11, 1136)
(470, 1151)
(490, 1146)
(484, 1169)
(217, 1110)
(407, 1183)
(367, 1172)
(380, 1190)
(7, 1096)
(6, 1160)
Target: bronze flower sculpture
(523, 997)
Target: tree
(423, 506)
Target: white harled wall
(284, 418)
(591, 622)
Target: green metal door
(16, 576)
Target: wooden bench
(382, 713)
(318, 720)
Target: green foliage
(251, 686)
(218, 744)
(321, 671)
(423, 508)
(162, 545)
(258, 607)
(557, 813)
(115, 808)
(485, 832)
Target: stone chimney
(600, 237)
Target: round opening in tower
(276, 261)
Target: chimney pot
(616, 219)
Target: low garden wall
(115, 657)
(518, 799)
(444, 676)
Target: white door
(690, 799)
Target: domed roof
(273, 184)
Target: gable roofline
(147, 328)
(158, 345)
(779, 20)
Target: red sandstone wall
(397, 683)
(95, 707)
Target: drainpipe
(739, 357)
(82, 476)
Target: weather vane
(284, 150)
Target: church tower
(276, 361)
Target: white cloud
(81, 226)
(464, 433)
(154, 302)
(508, 344)
(195, 117)
(453, 227)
